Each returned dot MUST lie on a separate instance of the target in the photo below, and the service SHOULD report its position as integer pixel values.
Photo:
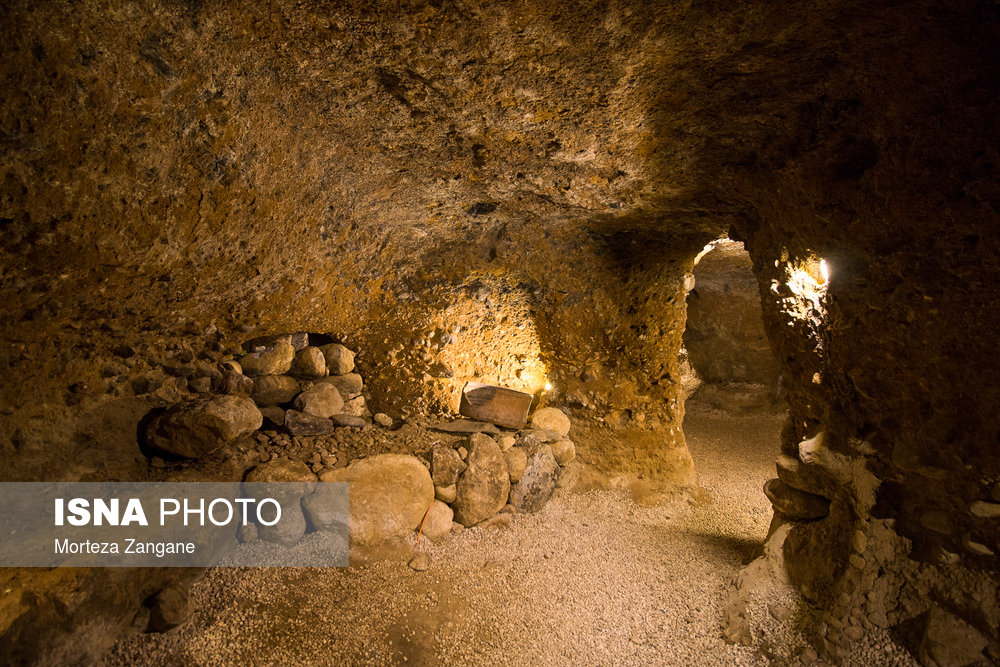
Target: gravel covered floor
(596, 578)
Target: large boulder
(537, 483)
(309, 363)
(274, 389)
(196, 428)
(275, 360)
(551, 419)
(389, 495)
(339, 360)
(484, 485)
(320, 400)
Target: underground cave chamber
(641, 333)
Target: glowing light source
(548, 386)
(806, 281)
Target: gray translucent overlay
(173, 524)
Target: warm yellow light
(824, 270)
(548, 386)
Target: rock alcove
(517, 195)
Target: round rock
(389, 495)
(339, 359)
(320, 400)
(551, 419)
(309, 363)
(437, 525)
(274, 389)
(564, 450)
(350, 385)
(271, 361)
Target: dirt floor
(597, 578)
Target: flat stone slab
(498, 405)
(466, 427)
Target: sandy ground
(594, 579)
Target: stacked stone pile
(481, 481)
(301, 409)
(283, 383)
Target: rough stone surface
(446, 465)
(795, 504)
(292, 526)
(320, 400)
(389, 495)
(563, 450)
(437, 525)
(274, 389)
(551, 419)
(805, 477)
(446, 494)
(356, 407)
(309, 363)
(421, 562)
(200, 385)
(199, 427)
(537, 483)
(724, 335)
(506, 441)
(339, 360)
(235, 384)
(350, 385)
(985, 510)
(281, 470)
(344, 419)
(949, 641)
(326, 509)
(273, 416)
(540, 435)
(483, 486)
(301, 423)
(168, 608)
(517, 460)
(275, 360)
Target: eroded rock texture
(514, 194)
(725, 340)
